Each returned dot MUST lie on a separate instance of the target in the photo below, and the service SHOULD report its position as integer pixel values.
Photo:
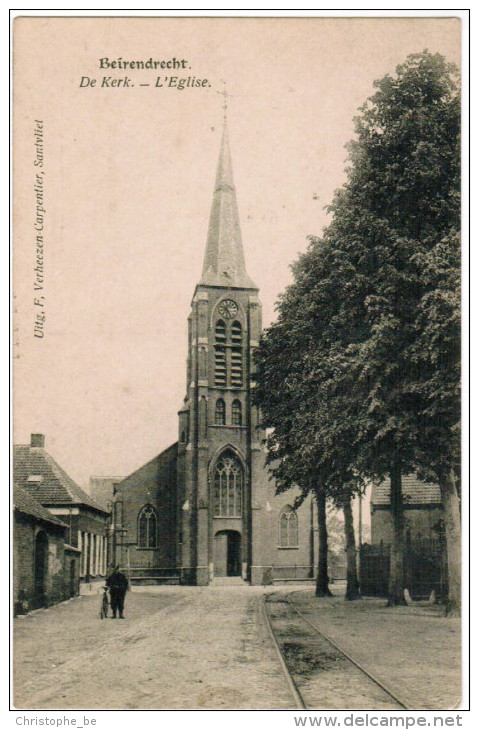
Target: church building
(206, 508)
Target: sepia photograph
(236, 464)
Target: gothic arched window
(148, 527)
(220, 353)
(236, 414)
(220, 412)
(228, 487)
(288, 527)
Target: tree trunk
(396, 566)
(452, 521)
(322, 581)
(352, 584)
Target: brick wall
(25, 533)
(72, 573)
(153, 484)
(420, 522)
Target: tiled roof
(56, 487)
(25, 503)
(414, 492)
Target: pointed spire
(224, 263)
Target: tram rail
(293, 685)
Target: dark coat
(117, 582)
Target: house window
(147, 527)
(288, 528)
(236, 415)
(220, 412)
(228, 487)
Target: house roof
(71, 548)
(24, 502)
(414, 492)
(55, 486)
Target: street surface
(414, 650)
(209, 648)
(178, 647)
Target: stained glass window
(228, 487)
(147, 527)
(288, 527)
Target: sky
(127, 181)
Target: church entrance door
(227, 553)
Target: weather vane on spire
(225, 96)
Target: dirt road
(209, 648)
(178, 648)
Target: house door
(227, 553)
(41, 565)
(73, 590)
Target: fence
(425, 568)
(292, 572)
(305, 572)
(147, 575)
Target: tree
(299, 452)
(438, 352)
(359, 376)
(342, 540)
(404, 184)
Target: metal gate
(425, 568)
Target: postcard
(168, 175)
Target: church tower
(206, 507)
(220, 453)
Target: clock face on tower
(228, 308)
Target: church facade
(206, 507)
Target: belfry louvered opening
(220, 353)
(228, 355)
(236, 333)
(236, 355)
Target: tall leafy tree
(392, 220)
(287, 383)
(437, 351)
(404, 184)
(278, 388)
(359, 377)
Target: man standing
(118, 585)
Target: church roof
(224, 263)
(39, 474)
(157, 471)
(414, 492)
